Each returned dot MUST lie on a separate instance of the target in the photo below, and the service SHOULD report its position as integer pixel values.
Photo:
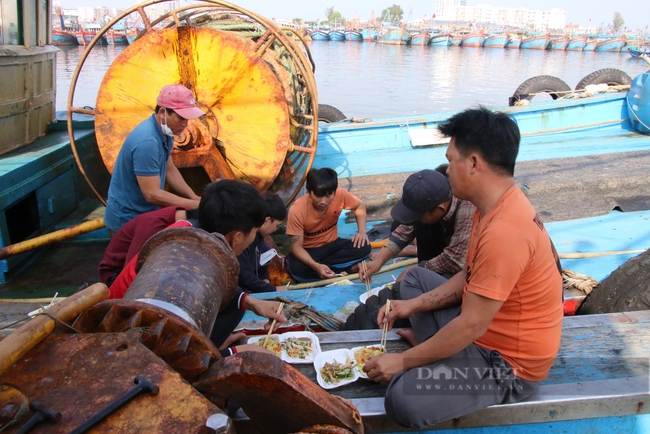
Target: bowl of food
(363, 354)
(299, 347)
(335, 368)
(374, 291)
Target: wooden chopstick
(273, 324)
(365, 271)
(384, 333)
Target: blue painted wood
(632, 424)
(557, 129)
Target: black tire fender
(540, 83)
(626, 289)
(610, 76)
(329, 114)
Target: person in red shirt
(127, 242)
(491, 333)
(317, 252)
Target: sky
(635, 12)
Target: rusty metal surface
(189, 268)
(188, 351)
(275, 396)
(245, 133)
(79, 374)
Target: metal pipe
(188, 272)
(51, 238)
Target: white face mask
(165, 129)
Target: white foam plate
(254, 339)
(340, 355)
(359, 369)
(374, 291)
(315, 345)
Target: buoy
(638, 103)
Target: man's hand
(359, 240)
(267, 309)
(372, 267)
(324, 271)
(281, 288)
(234, 337)
(398, 309)
(383, 367)
(250, 347)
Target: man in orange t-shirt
(491, 333)
(317, 252)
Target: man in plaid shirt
(440, 222)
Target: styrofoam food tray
(358, 368)
(340, 355)
(315, 345)
(374, 291)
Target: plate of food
(335, 368)
(299, 347)
(272, 344)
(292, 347)
(363, 354)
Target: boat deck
(598, 383)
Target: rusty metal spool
(259, 93)
(188, 271)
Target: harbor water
(375, 81)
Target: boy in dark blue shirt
(253, 271)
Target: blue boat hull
(535, 43)
(353, 36)
(420, 39)
(369, 34)
(395, 37)
(319, 35)
(576, 44)
(441, 40)
(336, 36)
(613, 45)
(473, 41)
(496, 41)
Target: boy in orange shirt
(491, 333)
(317, 252)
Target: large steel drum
(257, 88)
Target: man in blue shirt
(145, 163)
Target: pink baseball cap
(180, 99)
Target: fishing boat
(117, 35)
(590, 45)
(473, 40)
(577, 44)
(179, 375)
(514, 42)
(353, 35)
(456, 39)
(87, 32)
(612, 45)
(336, 35)
(496, 41)
(63, 37)
(319, 35)
(420, 38)
(559, 44)
(535, 42)
(640, 51)
(394, 36)
(369, 34)
(440, 40)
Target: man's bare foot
(234, 337)
(408, 335)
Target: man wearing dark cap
(144, 163)
(440, 222)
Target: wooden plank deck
(601, 373)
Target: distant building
(445, 7)
(542, 20)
